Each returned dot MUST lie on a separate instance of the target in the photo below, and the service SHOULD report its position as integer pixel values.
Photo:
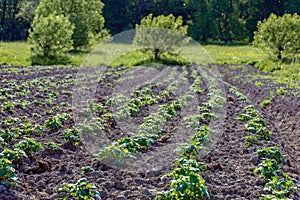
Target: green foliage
(115, 152)
(187, 182)
(87, 169)
(268, 168)
(251, 140)
(161, 34)
(267, 65)
(271, 153)
(51, 60)
(85, 16)
(222, 21)
(268, 100)
(281, 91)
(72, 136)
(3, 144)
(51, 35)
(26, 9)
(255, 123)
(8, 135)
(53, 146)
(280, 187)
(29, 146)
(279, 36)
(81, 190)
(277, 182)
(7, 176)
(14, 53)
(12, 155)
(57, 121)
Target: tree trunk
(279, 54)
(156, 52)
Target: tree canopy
(208, 20)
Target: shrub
(51, 35)
(279, 36)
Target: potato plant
(12, 155)
(271, 153)
(57, 121)
(72, 136)
(87, 169)
(187, 182)
(29, 146)
(81, 190)
(9, 134)
(3, 144)
(7, 176)
(53, 146)
(276, 181)
(255, 123)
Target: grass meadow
(18, 54)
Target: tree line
(208, 20)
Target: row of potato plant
(278, 183)
(144, 97)
(150, 130)
(187, 182)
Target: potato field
(148, 132)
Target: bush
(51, 35)
(161, 34)
(279, 36)
(52, 60)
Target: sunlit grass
(15, 53)
(234, 54)
(116, 54)
(18, 54)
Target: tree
(11, 28)
(27, 9)
(119, 15)
(51, 35)
(161, 33)
(85, 15)
(279, 36)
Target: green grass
(115, 54)
(15, 53)
(234, 54)
(18, 54)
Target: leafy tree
(279, 36)
(161, 33)
(51, 35)
(85, 15)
